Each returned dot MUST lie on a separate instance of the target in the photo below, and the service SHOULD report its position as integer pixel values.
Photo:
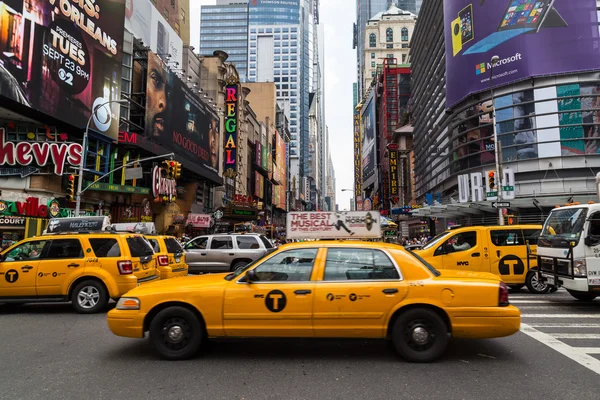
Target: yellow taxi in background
(169, 256)
(322, 289)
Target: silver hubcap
(175, 333)
(537, 284)
(88, 297)
(420, 335)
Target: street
(49, 352)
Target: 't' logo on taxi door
(275, 301)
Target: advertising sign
(199, 220)
(530, 37)
(279, 191)
(178, 119)
(332, 225)
(357, 154)
(63, 58)
(231, 130)
(393, 154)
(369, 155)
(145, 22)
(259, 185)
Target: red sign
(242, 200)
(39, 153)
(163, 187)
(127, 137)
(393, 146)
(199, 220)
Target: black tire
(515, 287)
(582, 296)
(238, 264)
(435, 329)
(177, 321)
(534, 285)
(89, 297)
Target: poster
(369, 136)
(63, 58)
(579, 118)
(331, 225)
(178, 119)
(530, 37)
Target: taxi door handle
(303, 292)
(475, 255)
(498, 253)
(26, 268)
(390, 291)
(73, 265)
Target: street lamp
(494, 60)
(84, 152)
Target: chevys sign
(39, 153)
(163, 187)
(333, 225)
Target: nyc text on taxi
(327, 289)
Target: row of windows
(223, 23)
(389, 37)
(273, 30)
(229, 10)
(226, 37)
(218, 30)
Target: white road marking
(589, 350)
(591, 363)
(573, 316)
(541, 302)
(575, 335)
(550, 306)
(559, 325)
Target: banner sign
(357, 154)
(231, 130)
(369, 137)
(178, 119)
(393, 155)
(332, 225)
(530, 37)
(64, 58)
(31, 207)
(199, 220)
(259, 185)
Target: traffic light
(492, 180)
(177, 172)
(171, 170)
(70, 188)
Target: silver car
(224, 252)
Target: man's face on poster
(213, 142)
(157, 98)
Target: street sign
(508, 188)
(134, 173)
(498, 204)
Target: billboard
(64, 58)
(369, 136)
(279, 172)
(178, 120)
(145, 22)
(333, 225)
(231, 131)
(530, 37)
(357, 154)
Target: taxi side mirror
(251, 276)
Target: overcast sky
(340, 66)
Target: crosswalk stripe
(559, 325)
(543, 302)
(553, 307)
(575, 335)
(573, 353)
(573, 316)
(589, 350)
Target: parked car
(225, 252)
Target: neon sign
(231, 130)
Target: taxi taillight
(503, 295)
(163, 261)
(125, 267)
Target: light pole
(494, 60)
(84, 152)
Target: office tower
(224, 26)
(413, 6)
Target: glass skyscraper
(414, 6)
(225, 27)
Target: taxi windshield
(562, 227)
(435, 240)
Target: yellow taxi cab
(507, 251)
(169, 256)
(322, 289)
(87, 268)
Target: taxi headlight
(128, 303)
(580, 267)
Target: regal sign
(39, 153)
(164, 189)
(231, 130)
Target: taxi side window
(26, 251)
(105, 247)
(460, 242)
(507, 237)
(64, 248)
(358, 264)
(155, 245)
(291, 266)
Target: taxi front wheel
(420, 335)
(89, 297)
(176, 333)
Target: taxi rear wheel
(176, 333)
(420, 335)
(89, 297)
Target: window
(155, 245)
(64, 248)
(372, 64)
(389, 46)
(390, 56)
(26, 251)
(404, 34)
(221, 243)
(139, 247)
(358, 264)
(405, 45)
(372, 56)
(290, 266)
(198, 243)
(105, 247)
(173, 246)
(389, 35)
(507, 237)
(403, 58)
(246, 242)
(531, 236)
(372, 40)
(372, 74)
(459, 242)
